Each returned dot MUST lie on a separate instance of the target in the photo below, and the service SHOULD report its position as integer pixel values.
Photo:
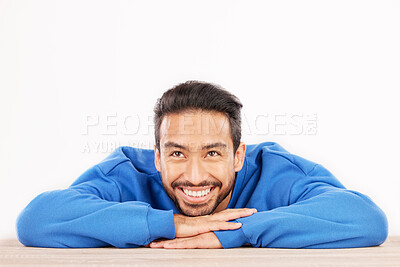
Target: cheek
(221, 171)
(171, 172)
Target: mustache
(188, 183)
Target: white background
(64, 64)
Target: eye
(177, 154)
(213, 153)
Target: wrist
(179, 221)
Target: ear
(157, 159)
(239, 156)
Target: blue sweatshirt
(121, 202)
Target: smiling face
(197, 162)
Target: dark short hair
(195, 95)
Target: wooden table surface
(13, 253)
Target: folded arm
(90, 214)
(320, 215)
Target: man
(203, 188)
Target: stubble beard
(202, 208)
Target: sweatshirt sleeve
(321, 214)
(90, 214)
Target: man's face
(197, 162)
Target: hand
(192, 226)
(206, 240)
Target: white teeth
(201, 193)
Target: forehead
(195, 128)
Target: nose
(195, 171)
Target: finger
(210, 226)
(159, 244)
(232, 214)
(221, 225)
(235, 212)
(182, 243)
(207, 240)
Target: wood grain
(12, 253)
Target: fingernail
(254, 210)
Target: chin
(196, 210)
(194, 213)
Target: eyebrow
(219, 144)
(173, 144)
(176, 145)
